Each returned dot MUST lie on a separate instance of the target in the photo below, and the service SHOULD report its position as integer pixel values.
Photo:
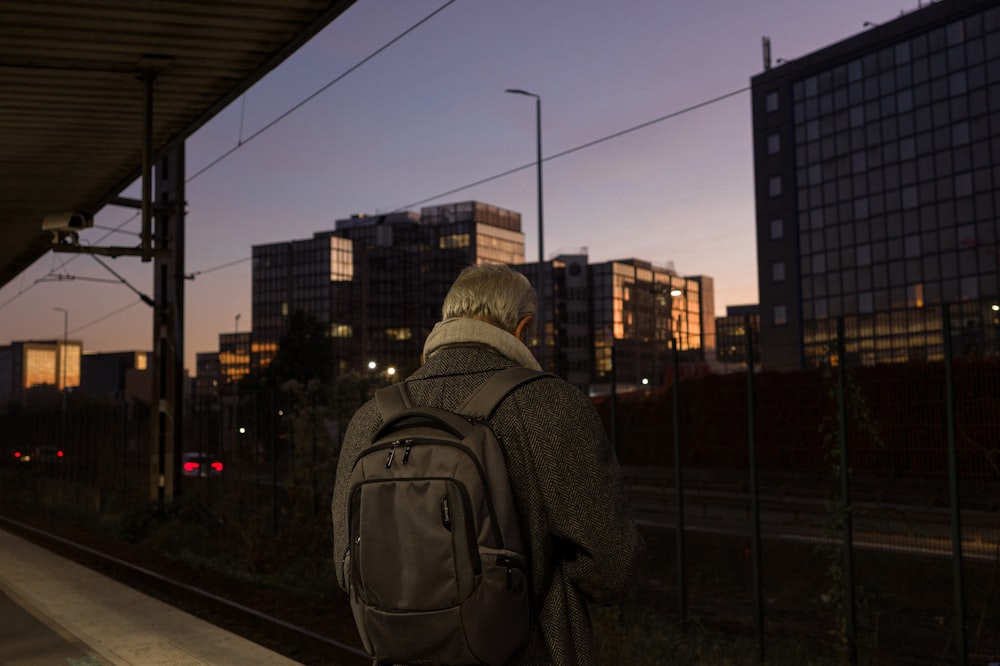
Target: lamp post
(541, 243)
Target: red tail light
(191, 466)
(17, 454)
(59, 454)
(217, 466)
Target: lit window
(915, 295)
(341, 331)
(454, 241)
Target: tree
(305, 353)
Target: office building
(208, 378)
(615, 322)
(376, 282)
(877, 165)
(119, 375)
(732, 337)
(29, 364)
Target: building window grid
(822, 121)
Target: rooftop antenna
(766, 43)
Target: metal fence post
(678, 489)
(614, 398)
(845, 498)
(956, 510)
(758, 611)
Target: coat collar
(460, 330)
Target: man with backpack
(415, 505)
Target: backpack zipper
(392, 452)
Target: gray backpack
(436, 566)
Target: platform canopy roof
(72, 94)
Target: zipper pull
(392, 452)
(406, 453)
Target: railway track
(883, 519)
(296, 642)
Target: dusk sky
(428, 115)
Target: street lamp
(541, 244)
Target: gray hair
(494, 293)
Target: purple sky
(429, 115)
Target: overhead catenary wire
(242, 142)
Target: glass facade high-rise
(25, 365)
(376, 282)
(878, 187)
(615, 322)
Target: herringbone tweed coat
(581, 539)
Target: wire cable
(589, 144)
(508, 172)
(318, 92)
(105, 316)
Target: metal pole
(845, 499)
(63, 357)
(148, 80)
(758, 613)
(678, 490)
(956, 511)
(542, 347)
(614, 398)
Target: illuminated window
(454, 241)
(399, 334)
(341, 331)
(39, 367)
(915, 295)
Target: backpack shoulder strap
(392, 399)
(485, 399)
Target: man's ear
(521, 328)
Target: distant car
(40, 454)
(200, 464)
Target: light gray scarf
(461, 330)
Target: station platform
(55, 611)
